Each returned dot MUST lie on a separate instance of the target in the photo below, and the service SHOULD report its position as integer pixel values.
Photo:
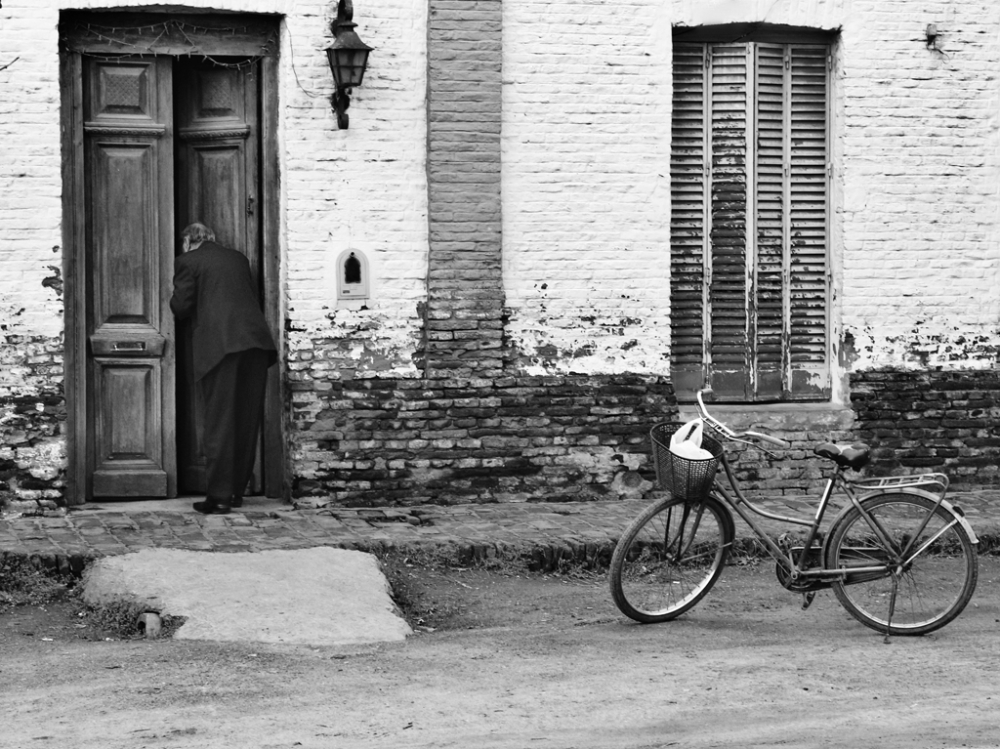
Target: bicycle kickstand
(892, 608)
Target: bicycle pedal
(807, 599)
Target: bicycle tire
(648, 586)
(931, 590)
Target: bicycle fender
(960, 516)
(955, 512)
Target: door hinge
(250, 205)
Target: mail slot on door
(119, 346)
(104, 345)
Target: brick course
(377, 442)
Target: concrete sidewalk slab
(319, 596)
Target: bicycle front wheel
(670, 557)
(929, 570)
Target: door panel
(217, 146)
(127, 447)
(129, 236)
(217, 153)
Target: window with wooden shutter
(749, 220)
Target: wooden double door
(161, 141)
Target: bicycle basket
(682, 477)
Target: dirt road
(515, 662)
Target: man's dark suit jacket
(213, 286)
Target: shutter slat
(687, 225)
(770, 194)
(808, 297)
(728, 301)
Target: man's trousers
(233, 397)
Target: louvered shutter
(728, 349)
(749, 238)
(771, 211)
(688, 217)
(809, 371)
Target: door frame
(258, 39)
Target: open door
(217, 151)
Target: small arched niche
(352, 276)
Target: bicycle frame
(821, 576)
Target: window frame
(805, 370)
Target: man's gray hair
(197, 233)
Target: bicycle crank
(799, 584)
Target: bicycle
(899, 557)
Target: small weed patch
(23, 584)
(407, 592)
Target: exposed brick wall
(32, 450)
(914, 421)
(793, 472)
(463, 324)
(32, 417)
(382, 442)
(947, 422)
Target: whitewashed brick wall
(919, 173)
(915, 138)
(586, 184)
(30, 189)
(363, 188)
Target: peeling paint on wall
(925, 345)
(544, 341)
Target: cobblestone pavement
(541, 534)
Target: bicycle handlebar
(727, 432)
(768, 438)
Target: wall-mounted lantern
(348, 58)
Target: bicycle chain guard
(801, 585)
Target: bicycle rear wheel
(669, 557)
(926, 587)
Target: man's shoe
(237, 502)
(212, 507)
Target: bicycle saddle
(854, 456)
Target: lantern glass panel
(348, 66)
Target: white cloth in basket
(686, 442)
